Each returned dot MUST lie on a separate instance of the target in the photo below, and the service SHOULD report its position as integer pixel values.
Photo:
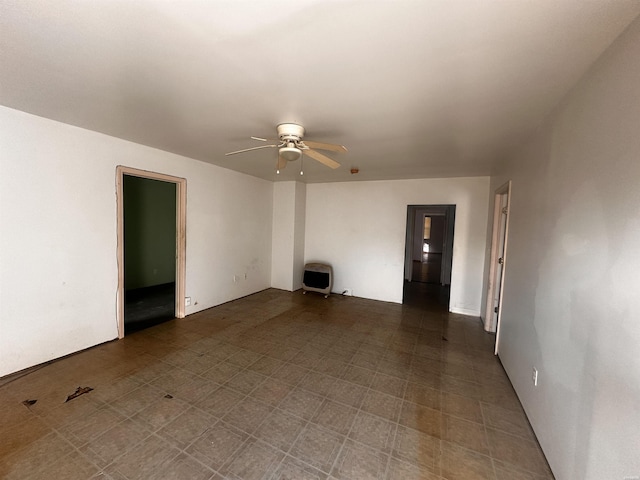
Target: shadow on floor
(149, 306)
(428, 270)
(429, 296)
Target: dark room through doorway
(428, 255)
(149, 252)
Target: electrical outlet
(534, 377)
(187, 301)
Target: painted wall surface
(149, 232)
(436, 243)
(58, 274)
(299, 237)
(572, 284)
(283, 235)
(360, 229)
(287, 263)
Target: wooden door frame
(181, 230)
(495, 255)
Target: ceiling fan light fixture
(290, 154)
(291, 147)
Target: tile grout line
(395, 343)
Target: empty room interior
(470, 171)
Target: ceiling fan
(291, 147)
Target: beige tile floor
(277, 386)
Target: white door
(497, 265)
(502, 231)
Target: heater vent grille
(318, 277)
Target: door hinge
(501, 261)
(495, 310)
(505, 210)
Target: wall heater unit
(318, 277)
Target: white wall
(283, 233)
(359, 228)
(299, 237)
(58, 271)
(572, 286)
(288, 235)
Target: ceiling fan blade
(282, 162)
(325, 146)
(321, 158)
(249, 149)
(260, 139)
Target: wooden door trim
(506, 188)
(181, 230)
(491, 289)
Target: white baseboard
(465, 311)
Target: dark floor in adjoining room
(148, 306)
(277, 385)
(428, 270)
(429, 296)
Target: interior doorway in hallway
(428, 254)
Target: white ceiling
(427, 88)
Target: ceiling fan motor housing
(290, 132)
(291, 147)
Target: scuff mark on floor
(79, 391)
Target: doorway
(428, 254)
(151, 248)
(498, 261)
